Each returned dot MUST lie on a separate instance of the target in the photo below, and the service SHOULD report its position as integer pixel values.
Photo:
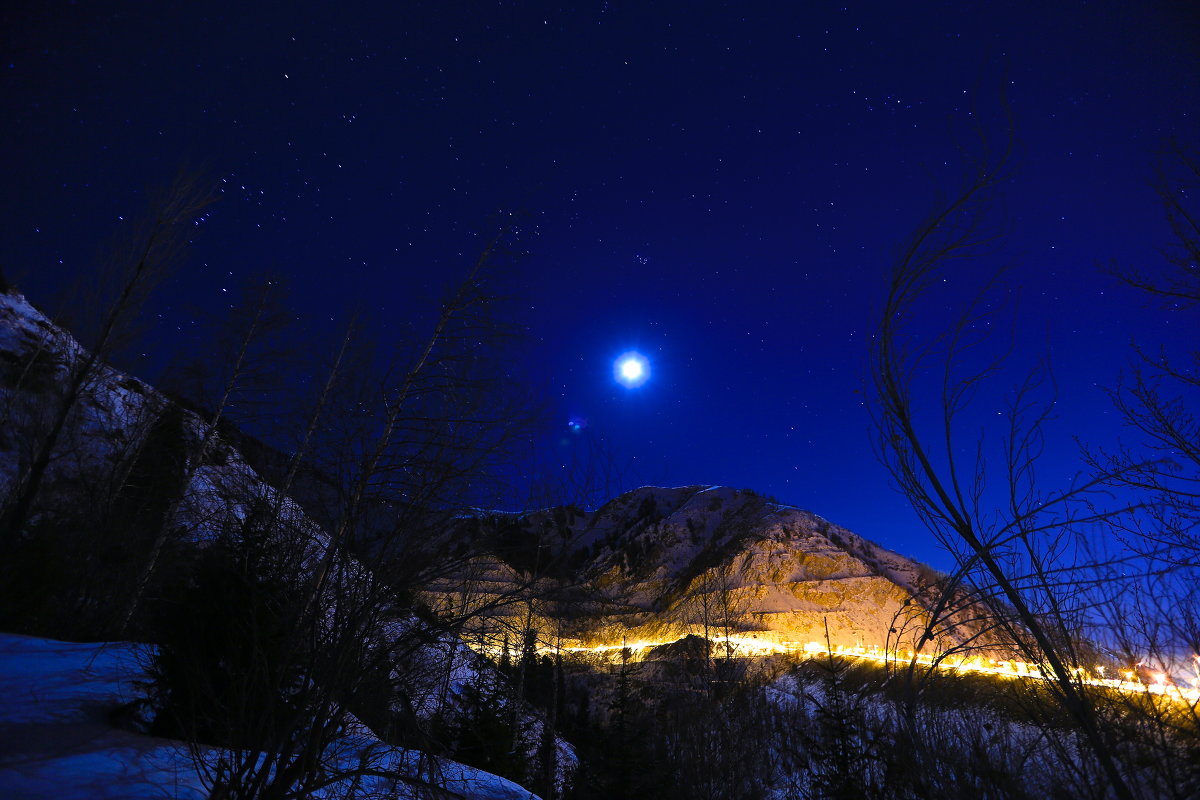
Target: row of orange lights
(1128, 682)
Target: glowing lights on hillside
(740, 646)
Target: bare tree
(1011, 538)
(402, 451)
(152, 249)
(248, 358)
(1155, 616)
(1158, 397)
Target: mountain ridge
(660, 562)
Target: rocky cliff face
(656, 564)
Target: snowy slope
(55, 737)
(34, 356)
(104, 427)
(56, 740)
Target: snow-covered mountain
(656, 564)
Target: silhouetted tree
(1155, 619)
(248, 356)
(152, 249)
(1014, 552)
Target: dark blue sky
(718, 186)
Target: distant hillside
(656, 564)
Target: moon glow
(631, 370)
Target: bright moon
(631, 370)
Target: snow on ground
(56, 740)
(55, 737)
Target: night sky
(718, 187)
